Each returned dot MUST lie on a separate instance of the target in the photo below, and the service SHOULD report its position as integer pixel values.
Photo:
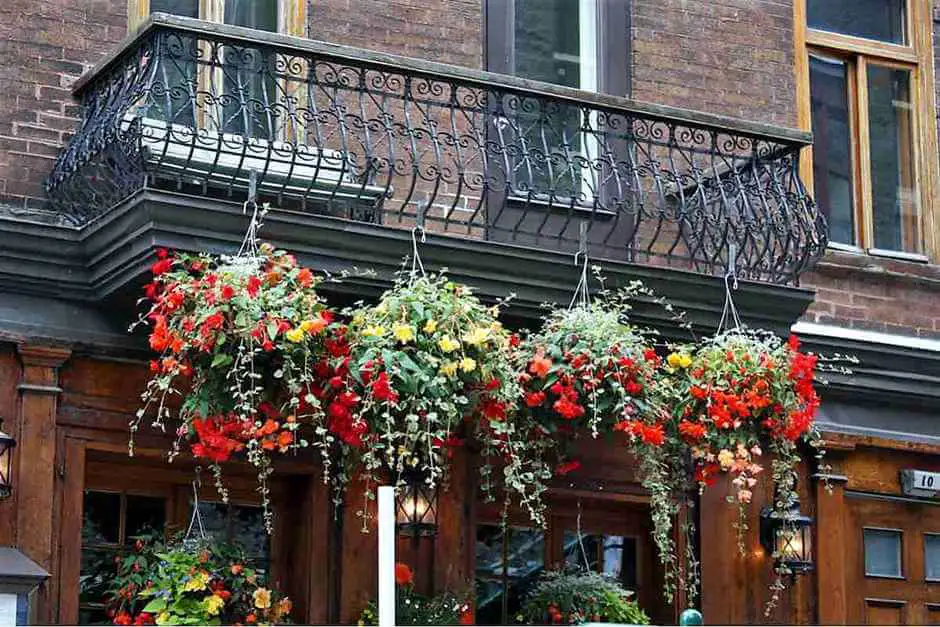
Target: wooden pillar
(455, 542)
(35, 480)
(723, 572)
(829, 548)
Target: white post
(387, 537)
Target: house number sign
(920, 483)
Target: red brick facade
(732, 57)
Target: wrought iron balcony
(212, 110)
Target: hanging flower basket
(743, 400)
(431, 370)
(412, 608)
(192, 582)
(239, 341)
(575, 598)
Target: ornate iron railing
(197, 107)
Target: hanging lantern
(788, 537)
(6, 463)
(417, 508)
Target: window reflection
(884, 20)
(832, 153)
(507, 565)
(611, 555)
(894, 201)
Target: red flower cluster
(652, 434)
(217, 437)
(144, 618)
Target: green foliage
(572, 599)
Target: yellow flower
(214, 604)
(449, 369)
(381, 307)
(679, 360)
(467, 364)
(196, 583)
(477, 336)
(262, 598)
(295, 335)
(374, 331)
(430, 326)
(403, 333)
(163, 618)
(448, 344)
(725, 458)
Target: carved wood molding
(42, 355)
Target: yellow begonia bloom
(725, 458)
(262, 598)
(467, 364)
(295, 335)
(196, 583)
(430, 326)
(477, 336)
(163, 618)
(403, 333)
(214, 604)
(679, 360)
(374, 330)
(449, 369)
(447, 344)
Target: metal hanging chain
(584, 556)
(249, 247)
(582, 295)
(416, 264)
(196, 520)
(731, 283)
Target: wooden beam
(830, 543)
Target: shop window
(932, 556)
(242, 525)
(865, 73)
(883, 553)
(614, 556)
(110, 524)
(508, 563)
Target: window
(611, 555)
(869, 106)
(110, 524)
(507, 565)
(285, 16)
(932, 556)
(242, 525)
(882, 553)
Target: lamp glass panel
(6, 465)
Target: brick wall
(733, 57)
(862, 292)
(447, 31)
(44, 46)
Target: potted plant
(431, 369)
(240, 342)
(411, 608)
(192, 582)
(576, 598)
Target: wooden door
(893, 561)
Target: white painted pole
(387, 537)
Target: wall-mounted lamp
(788, 537)
(416, 506)
(6, 463)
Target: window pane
(102, 518)
(97, 574)
(240, 524)
(884, 20)
(932, 556)
(882, 553)
(620, 560)
(186, 8)
(894, 197)
(145, 514)
(260, 14)
(548, 41)
(583, 555)
(832, 155)
(525, 562)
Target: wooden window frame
(291, 15)
(915, 56)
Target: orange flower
(540, 365)
(237, 569)
(403, 574)
(284, 439)
(270, 426)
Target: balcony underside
(102, 266)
